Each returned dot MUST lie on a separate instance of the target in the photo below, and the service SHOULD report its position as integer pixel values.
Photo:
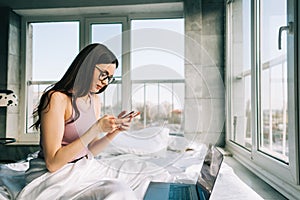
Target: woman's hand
(107, 123)
(113, 126)
(123, 124)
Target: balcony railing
(161, 102)
(274, 135)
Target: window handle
(288, 28)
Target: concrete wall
(204, 71)
(4, 24)
(10, 33)
(9, 62)
(14, 70)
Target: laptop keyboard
(178, 192)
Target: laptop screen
(210, 168)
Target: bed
(135, 158)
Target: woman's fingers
(122, 113)
(107, 123)
(124, 126)
(110, 123)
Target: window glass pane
(139, 103)
(273, 138)
(35, 92)
(241, 73)
(111, 36)
(53, 46)
(157, 72)
(160, 104)
(111, 99)
(157, 49)
(170, 106)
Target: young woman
(68, 117)
(69, 112)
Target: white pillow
(140, 142)
(178, 143)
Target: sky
(153, 56)
(55, 45)
(273, 16)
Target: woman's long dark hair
(76, 82)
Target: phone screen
(134, 114)
(126, 115)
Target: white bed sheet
(172, 165)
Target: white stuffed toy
(7, 98)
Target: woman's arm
(100, 143)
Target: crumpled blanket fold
(91, 179)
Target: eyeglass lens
(104, 75)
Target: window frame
(140, 16)
(125, 47)
(282, 176)
(84, 38)
(23, 137)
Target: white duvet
(122, 178)
(121, 173)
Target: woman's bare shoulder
(57, 97)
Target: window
(273, 138)
(241, 74)
(262, 103)
(110, 34)
(53, 47)
(157, 72)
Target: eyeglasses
(104, 75)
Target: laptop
(201, 190)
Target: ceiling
(79, 7)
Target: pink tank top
(75, 129)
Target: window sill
(29, 143)
(253, 181)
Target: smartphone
(136, 113)
(133, 113)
